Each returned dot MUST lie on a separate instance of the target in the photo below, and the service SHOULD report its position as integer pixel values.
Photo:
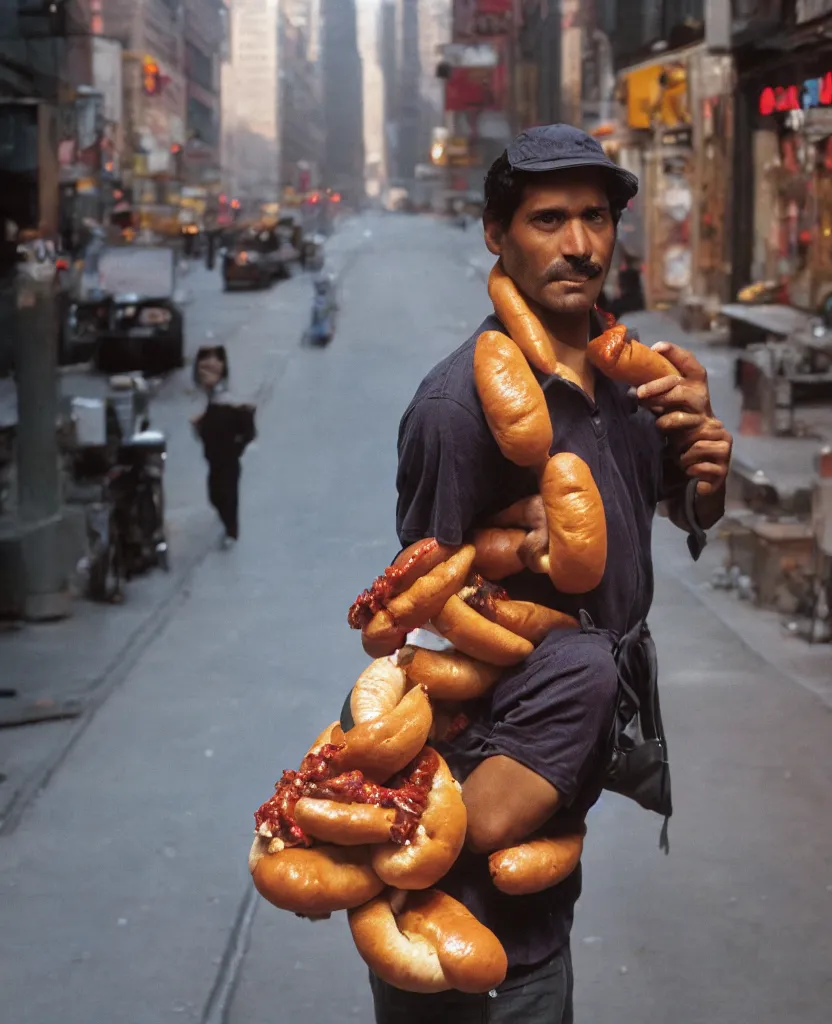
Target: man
(531, 762)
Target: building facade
(343, 91)
(301, 98)
(251, 127)
(205, 34)
(782, 205)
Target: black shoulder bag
(636, 756)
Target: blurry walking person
(226, 428)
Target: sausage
(345, 824)
(526, 330)
(497, 552)
(536, 865)
(624, 359)
(512, 400)
(427, 596)
(577, 524)
(531, 621)
(450, 675)
(475, 635)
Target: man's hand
(682, 404)
(527, 514)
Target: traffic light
(151, 77)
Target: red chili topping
(316, 778)
(482, 595)
(458, 726)
(384, 587)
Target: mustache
(574, 269)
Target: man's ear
(493, 236)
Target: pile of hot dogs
(373, 818)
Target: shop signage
(808, 10)
(780, 99)
(482, 18)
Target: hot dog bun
(320, 880)
(433, 945)
(416, 560)
(437, 842)
(577, 524)
(512, 400)
(450, 675)
(534, 866)
(383, 746)
(524, 327)
(381, 636)
(379, 689)
(626, 360)
(427, 596)
(497, 556)
(531, 621)
(476, 636)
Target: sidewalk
(60, 671)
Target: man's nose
(575, 240)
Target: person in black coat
(226, 428)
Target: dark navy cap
(559, 147)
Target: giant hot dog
(577, 525)
(536, 865)
(623, 359)
(524, 327)
(512, 400)
(427, 942)
(475, 635)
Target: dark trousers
(540, 996)
(224, 493)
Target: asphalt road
(124, 888)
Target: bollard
(42, 532)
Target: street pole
(46, 576)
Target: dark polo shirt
(553, 712)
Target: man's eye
(549, 217)
(596, 216)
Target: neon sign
(780, 99)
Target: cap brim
(627, 183)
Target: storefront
(786, 154)
(678, 118)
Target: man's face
(559, 245)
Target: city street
(124, 883)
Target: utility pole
(41, 525)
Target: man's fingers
(678, 420)
(535, 545)
(658, 388)
(685, 362)
(707, 470)
(716, 450)
(684, 397)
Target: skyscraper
(343, 98)
(250, 101)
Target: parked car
(129, 319)
(257, 257)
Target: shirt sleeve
(552, 713)
(445, 475)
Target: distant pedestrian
(226, 428)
